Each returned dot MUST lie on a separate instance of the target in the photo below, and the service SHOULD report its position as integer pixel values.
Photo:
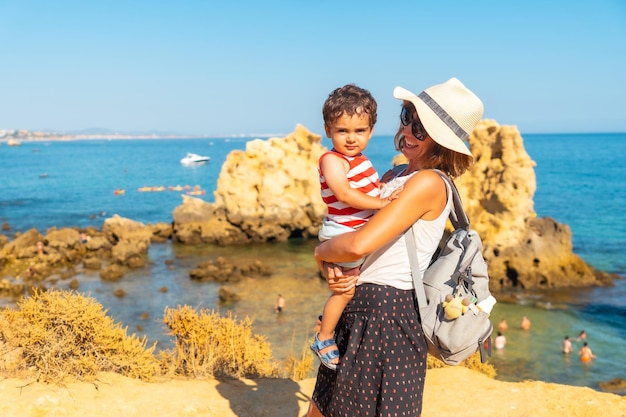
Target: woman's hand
(340, 280)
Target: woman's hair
(451, 162)
(349, 100)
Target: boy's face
(350, 134)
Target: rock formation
(270, 191)
(522, 250)
(36, 260)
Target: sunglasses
(417, 129)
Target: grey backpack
(458, 270)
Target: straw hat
(448, 111)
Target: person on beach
(585, 353)
(500, 341)
(525, 323)
(40, 248)
(567, 345)
(379, 336)
(349, 187)
(84, 237)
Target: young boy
(350, 189)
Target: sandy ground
(449, 392)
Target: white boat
(193, 158)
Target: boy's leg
(332, 313)
(334, 307)
(330, 317)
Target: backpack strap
(418, 282)
(458, 218)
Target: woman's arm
(424, 196)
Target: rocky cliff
(522, 250)
(270, 192)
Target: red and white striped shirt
(361, 176)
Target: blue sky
(250, 67)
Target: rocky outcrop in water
(34, 260)
(523, 251)
(270, 191)
(223, 270)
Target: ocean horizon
(581, 182)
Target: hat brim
(436, 128)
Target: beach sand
(453, 391)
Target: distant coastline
(15, 137)
(55, 137)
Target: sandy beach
(451, 391)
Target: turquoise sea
(581, 181)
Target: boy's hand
(340, 279)
(395, 194)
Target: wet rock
(222, 270)
(113, 272)
(97, 243)
(226, 295)
(119, 293)
(92, 263)
(616, 386)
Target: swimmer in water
(585, 353)
(567, 345)
(280, 304)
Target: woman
(383, 350)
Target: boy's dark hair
(349, 100)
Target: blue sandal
(327, 357)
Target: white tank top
(389, 265)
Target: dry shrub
(473, 363)
(300, 368)
(208, 345)
(59, 334)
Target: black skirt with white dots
(383, 358)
